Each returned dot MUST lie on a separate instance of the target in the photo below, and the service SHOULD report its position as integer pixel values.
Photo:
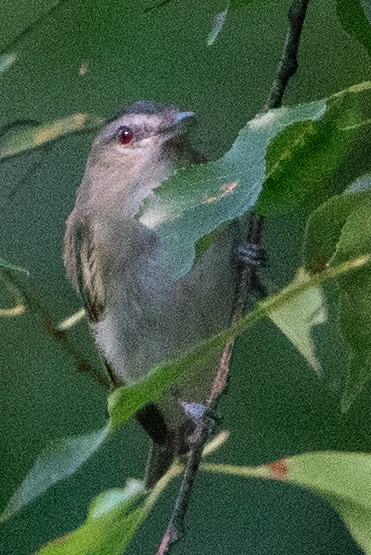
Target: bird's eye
(125, 136)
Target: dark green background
(275, 405)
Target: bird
(139, 315)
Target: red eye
(125, 136)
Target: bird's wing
(80, 260)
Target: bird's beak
(183, 117)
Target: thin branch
(156, 6)
(248, 282)
(32, 26)
(289, 61)
(60, 336)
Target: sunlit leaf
(110, 499)
(342, 479)
(110, 525)
(36, 136)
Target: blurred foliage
(305, 167)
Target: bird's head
(143, 133)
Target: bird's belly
(151, 319)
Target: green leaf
(325, 226)
(115, 515)
(290, 158)
(112, 521)
(109, 500)
(9, 266)
(33, 137)
(125, 401)
(355, 302)
(342, 479)
(59, 460)
(311, 161)
(296, 319)
(340, 230)
(355, 18)
(197, 200)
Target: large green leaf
(289, 158)
(311, 161)
(342, 479)
(339, 230)
(194, 201)
(355, 17)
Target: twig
(248, 282)
(156, 6)
(60, 336)
(31, 26)
(289, 61)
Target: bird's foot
(253, 255)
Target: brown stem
(248, 281)
(289, 62)
(60, 336)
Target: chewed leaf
(59, 460)
(195, 201)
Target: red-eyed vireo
(139, 316)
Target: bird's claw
(252, 255)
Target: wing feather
(82, 266)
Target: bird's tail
(167, 443)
